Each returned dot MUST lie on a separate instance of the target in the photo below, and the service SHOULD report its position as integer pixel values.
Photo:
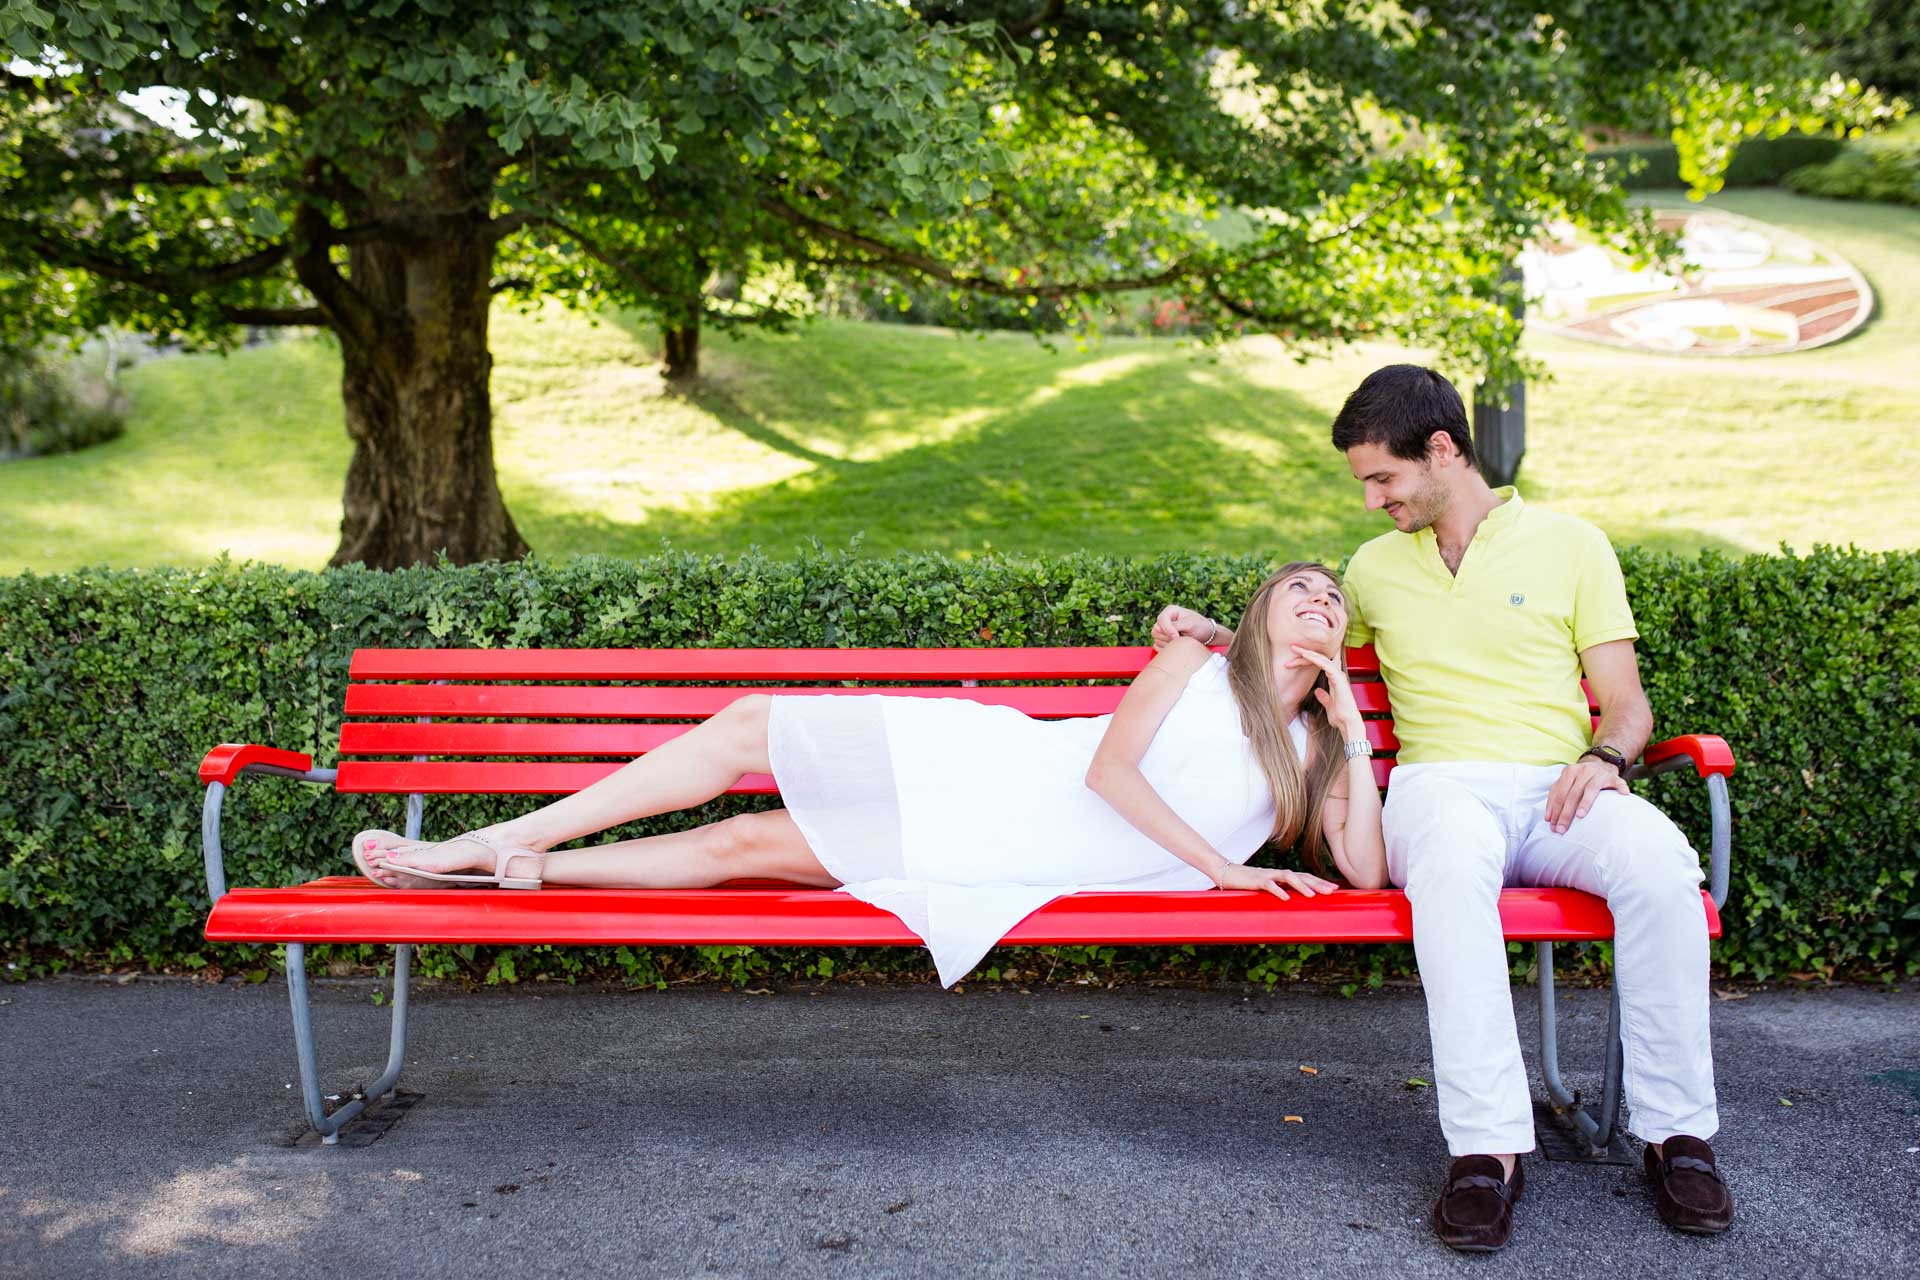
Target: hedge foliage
(114, 683)
(1759, 162)
(1884, 169)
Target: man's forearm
(1625, 729)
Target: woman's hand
(1175, 621)
(1276, 882)
(1337, 697)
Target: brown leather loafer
(1474, 1213)
(1692, 1195)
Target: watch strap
(1611, 755)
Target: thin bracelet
(1211, 634)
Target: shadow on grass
(1052, 459)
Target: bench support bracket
(329, 1126)
(1596, 1131)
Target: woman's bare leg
(682, 774)
(765, 846)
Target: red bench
(423, 722)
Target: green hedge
(1886, 169)
(1759, 162)
(114, 683)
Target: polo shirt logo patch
(1516, 599)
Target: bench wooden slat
(348, 909)
(669, 702)
(495, 778)
(535, 778)
(749, 664)
(485, 739)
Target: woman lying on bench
(963, 818)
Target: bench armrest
(230, 759)
(1706, 753)
(1712, 759)
(222, 767)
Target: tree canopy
(1318, 170)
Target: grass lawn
(919, 439)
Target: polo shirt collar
(1498, 521)
(1504, 516)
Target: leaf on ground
(1730, 995)
(1785, 1103)
(1415, 1082)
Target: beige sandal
(497, 879)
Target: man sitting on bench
(1484, 612)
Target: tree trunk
(415, 386)
(682, 348)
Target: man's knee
(1439, 836)
(1640, 854)
(1639, 848)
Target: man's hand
(1175, 622)
(1573, 791)
(1274, 881)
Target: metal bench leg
(1597, 1133)
(329, 1126)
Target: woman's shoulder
(1213, 671)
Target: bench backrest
(551, 721)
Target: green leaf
(265, 222)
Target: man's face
(1407, 490)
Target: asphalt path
(153, 1129)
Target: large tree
(383, 169)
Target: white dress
(962, 819)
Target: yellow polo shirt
(1485, 664)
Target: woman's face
(1307, 609)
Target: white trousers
(1455, 834)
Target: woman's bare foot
(383, 858)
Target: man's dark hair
(1400, 407)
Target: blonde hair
(1299, 790)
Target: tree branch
(608, 259)
(345, 307)
(1047, 13)
(67, 253)
(13, 81)
(268, 316)
(154, 178)
(500, 228)
(362, 232)
(934, 269)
